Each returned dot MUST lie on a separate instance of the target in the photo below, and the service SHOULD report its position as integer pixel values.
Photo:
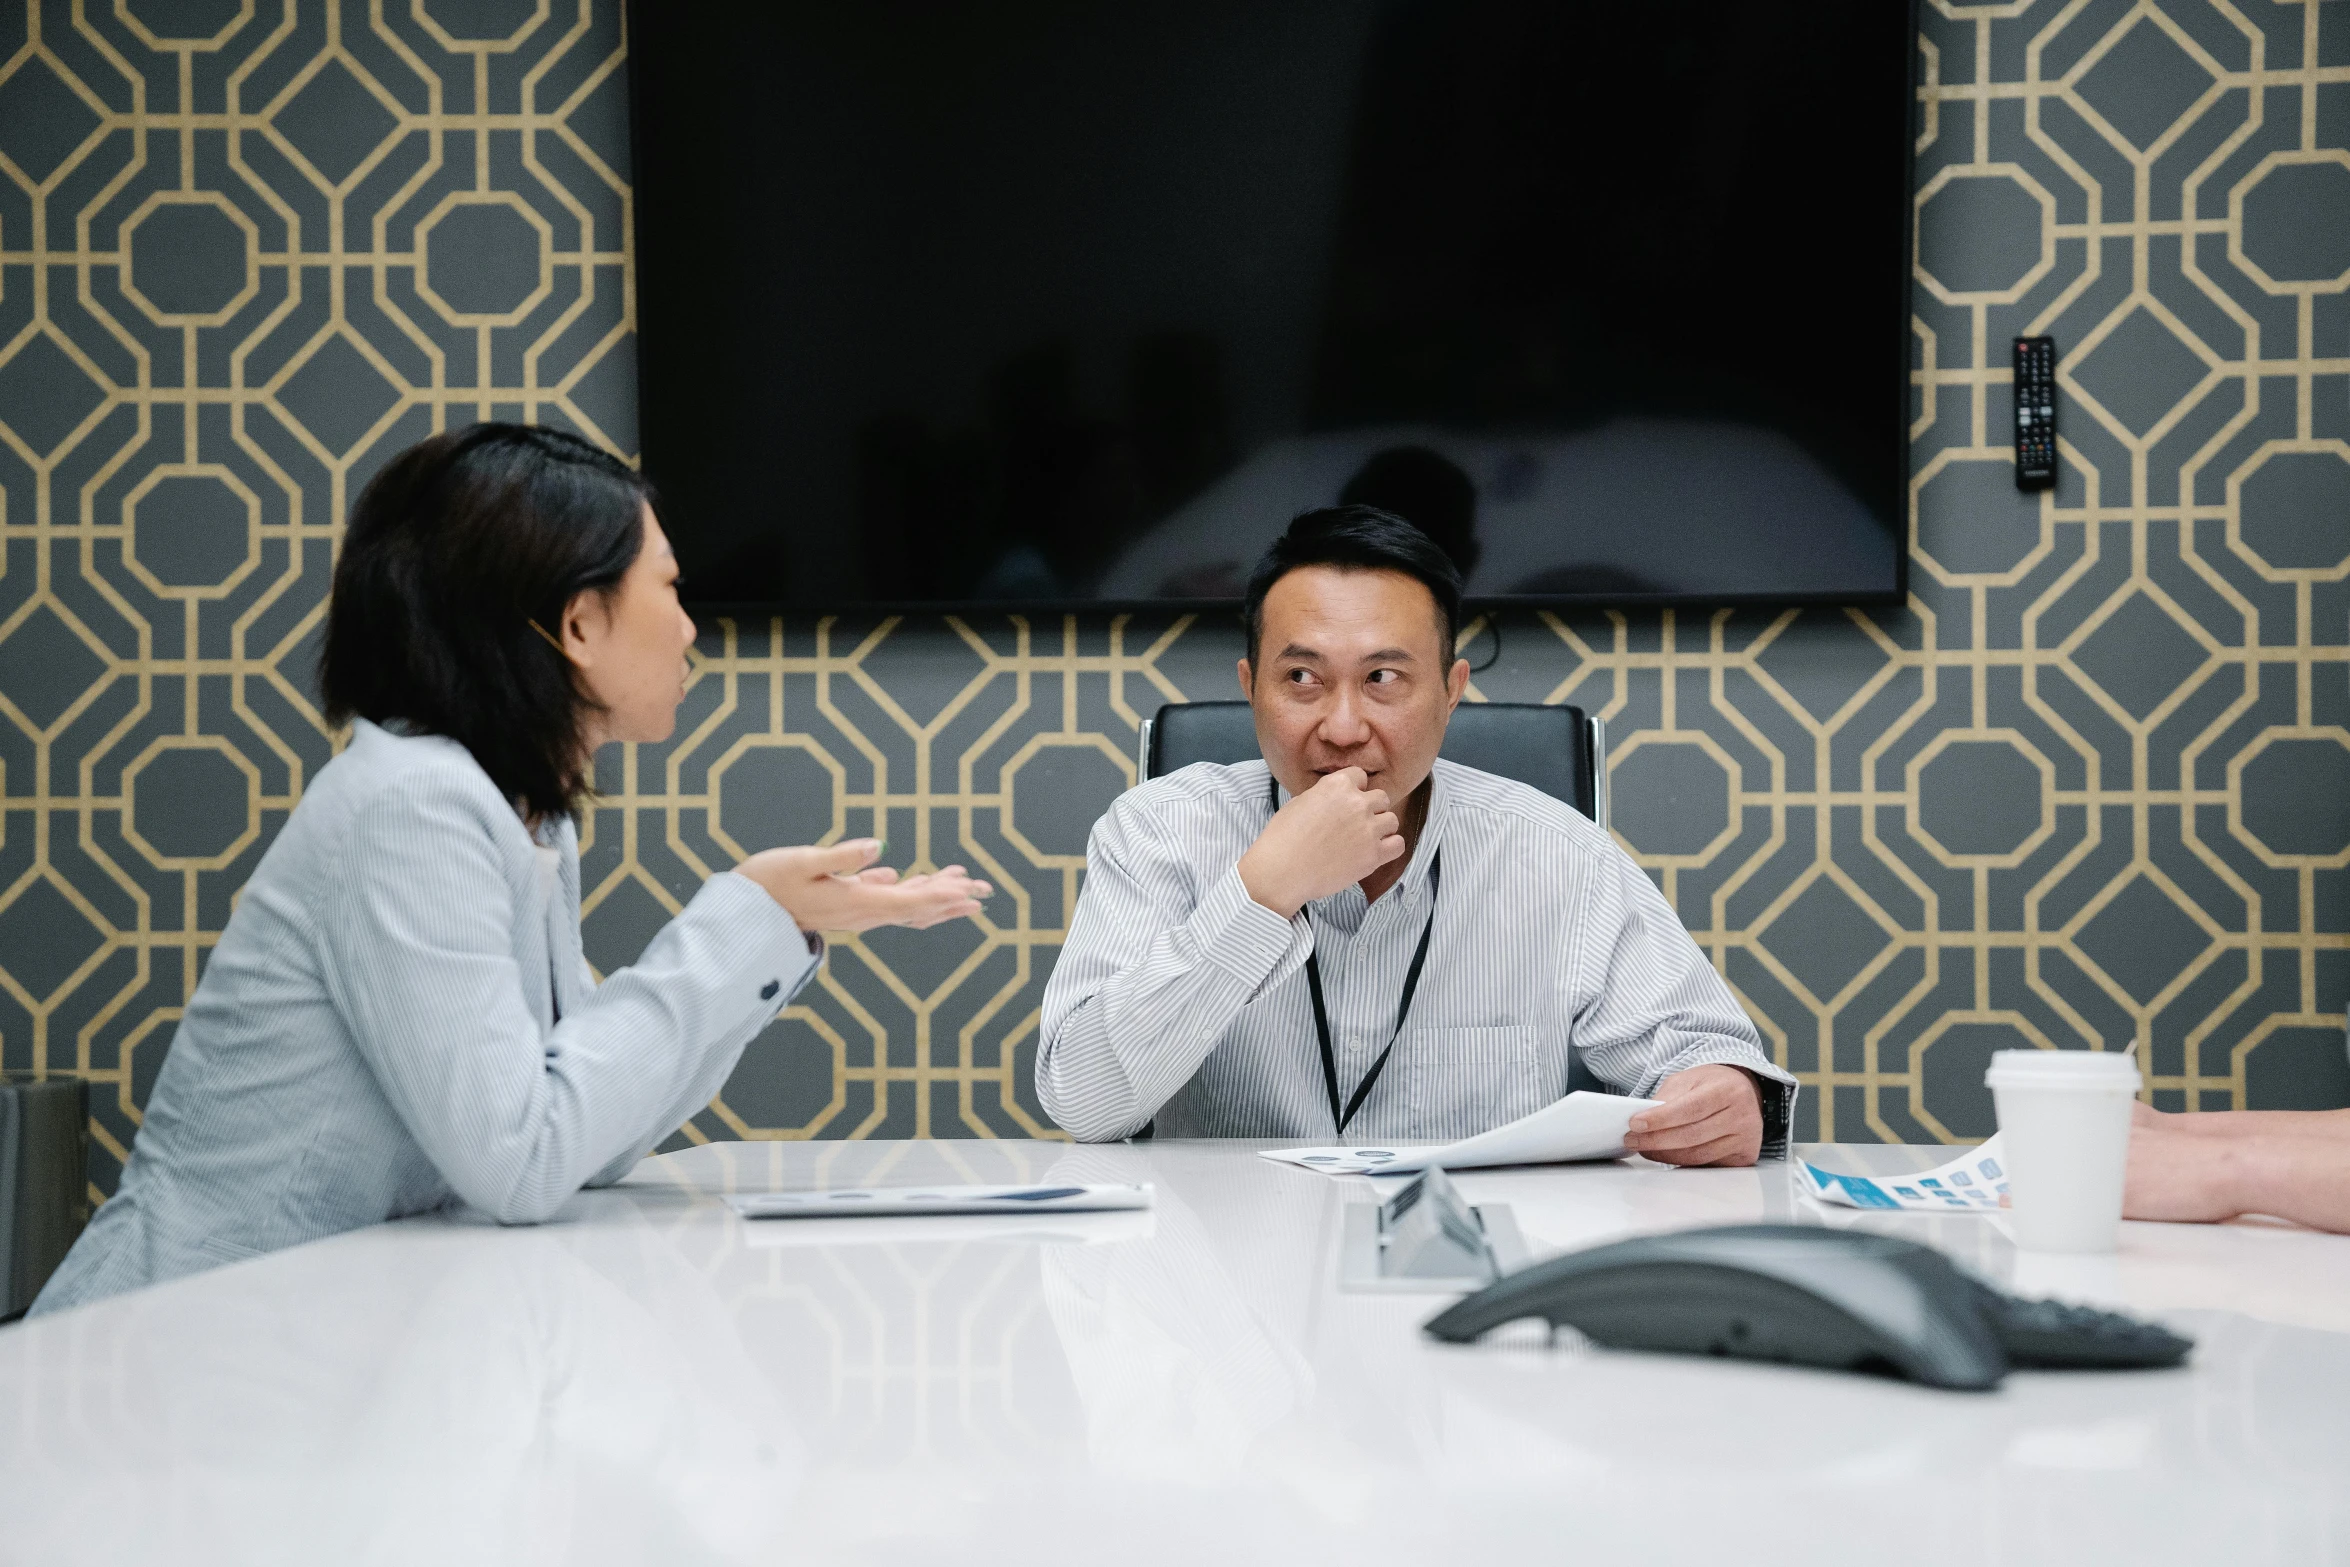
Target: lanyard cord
(1411, 985)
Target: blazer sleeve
(418, 956)
(704, 1085)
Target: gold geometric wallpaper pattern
(2091, 785)
(248, 248)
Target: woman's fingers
(834, 899)
(957, 897)
(944, 891)
(916, 902)
(839, 888)
(845, 859)
(953, 881)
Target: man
(1354, 937)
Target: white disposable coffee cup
(2064, 1126)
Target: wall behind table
(2091, 785)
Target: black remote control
(2035, 413)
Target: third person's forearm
(2322, 1124)
(2304, 1179)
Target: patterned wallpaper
(2090, 786)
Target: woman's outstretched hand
(833, 888)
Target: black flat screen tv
(1078, 302)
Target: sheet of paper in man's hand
(1580, 1126)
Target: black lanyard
(1411, 984)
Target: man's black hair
(453, 551)
(1356, 538)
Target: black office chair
(1561, 751)
(44, 1181)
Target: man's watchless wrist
(1264, 897)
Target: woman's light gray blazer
(377, 1032)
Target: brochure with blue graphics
(1975, 1183)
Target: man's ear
(1248, 684)
(1456, 683)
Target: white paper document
(1580, 1126)
(1065, 1227)
(877, 1201)
(1973, 1183)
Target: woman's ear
(584, 621)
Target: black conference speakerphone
(1802, 1295)
(2035, 413)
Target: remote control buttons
(2035, 413)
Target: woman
(398, 1014)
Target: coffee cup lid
(2097, 1070)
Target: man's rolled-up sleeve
(1657, 1007)
(1154, 971)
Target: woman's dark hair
(1356, 538)
(453, 550)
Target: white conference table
(652, 1380)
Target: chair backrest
(44, 1182)
(1559, 750)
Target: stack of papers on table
(1580, 1126)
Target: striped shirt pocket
(1464, 1081)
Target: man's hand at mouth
(1336, 833)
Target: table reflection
(455, 1395)
(1178, 1371)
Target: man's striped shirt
(1179, 1001)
